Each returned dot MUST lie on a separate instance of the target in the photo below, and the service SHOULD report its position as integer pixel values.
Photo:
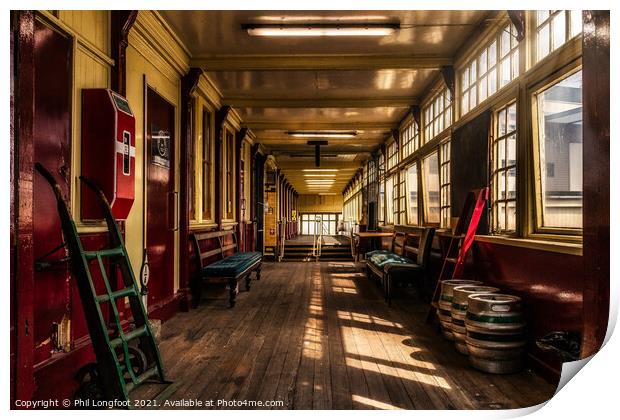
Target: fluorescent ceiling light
(324, 134)
(321, 175)
(320, 170)
(322, 29)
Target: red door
(161, 200)
(52, 148)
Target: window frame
(202, 105)
(495, 137)
(445, 185)
(408, 193)
(425, 200)
(229, 189)
(474, 62)
(536, 228)
(431, 116)
(549, 21)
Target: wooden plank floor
(319, 336)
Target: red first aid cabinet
(108, 152)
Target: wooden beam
(447, 73)
(319, 62)
(318, 125)
(270, 102)
(121, 22)
(517, 17)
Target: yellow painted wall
(314, 203)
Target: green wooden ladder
(118, 370)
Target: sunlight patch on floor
(314, 328)
(374, 403)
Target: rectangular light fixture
(328, 174)
(323, 134)
(320, 170)
(321, 29)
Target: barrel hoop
(458, 321)
(500, 338)
(459, 306)
(446, 298)
(495, 319)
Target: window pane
(492, 82)
(431, 188)
(560, 151)
(389, 201)
(505, 72)
(505, 42)
(541, 15)
(412, 194)
(559, 30)
(492, 54)
(206, 166)
(575, 22)
(543, 42)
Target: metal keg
(445, 304)
(458, 311)
(495, 326)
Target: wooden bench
(395, 263)
(231, 268)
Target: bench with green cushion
(395, 264)
(231, 268)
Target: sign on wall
(160, 148)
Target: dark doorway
(161, 199)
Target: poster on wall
(160, 148)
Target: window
(412, 194)
(392, 155)
(381, 210)
(444, 184)
(554, 28)
(229, 168)
(409, 139)
(430, 166)
(437, 115)
(504, 170)
(400, 201)
(558, 127)
(508, 56)
(493, 68)
(389, 201)
(207, 164)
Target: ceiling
(279, 84)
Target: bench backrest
(399, 240)
(424, 245)
(220, 236)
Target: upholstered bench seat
(233, 265)
(382, 257)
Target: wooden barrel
(458, 312)
(445, 304)
(495, 326)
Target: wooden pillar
(189, 82)
(596, 179)
(121, 22)
(22, 205)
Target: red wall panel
(550, 284)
